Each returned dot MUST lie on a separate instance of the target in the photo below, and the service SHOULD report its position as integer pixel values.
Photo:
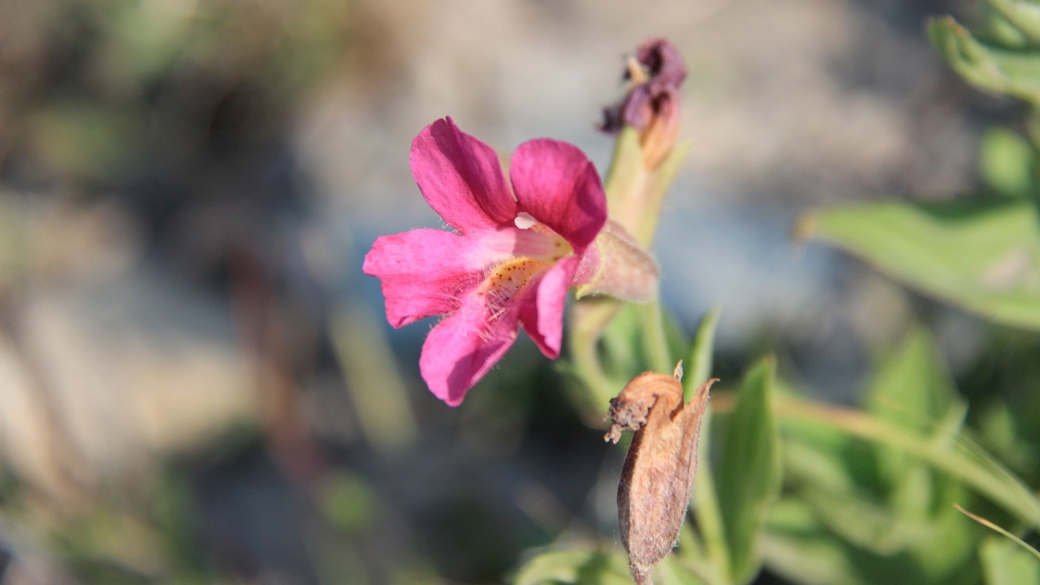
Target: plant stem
(588, 319)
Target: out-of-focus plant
(112, 88)
(982, 252)
(142, 105)
(822, 494)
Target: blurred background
(197, 384)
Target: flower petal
(541, 313)
(558, 185)
(424, 272)
(461, 178)
(666, 65)
(463, 347)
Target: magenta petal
(461, 178)
(664, 62)
(542, 313)
(463, 347)
(424, 272)
(558, 185)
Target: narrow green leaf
(749, 473)
(964, 462)
(698, 366)
(1021, 543)
(981, 255)
(1005, 564)
(706, 507)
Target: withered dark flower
(652, 104)
(657, 478)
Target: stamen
(525, 221)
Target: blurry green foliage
(349, 502)
(879, 511)
(1005, 563)
(1006, 162)
(1015, 72)
(132, 78)
(983, 255)
(95, 141)
(577, 567)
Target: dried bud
(616, 265)
(657, 478)
(655, 74)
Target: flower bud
(617, 266)
(657, 478)
(652, 105)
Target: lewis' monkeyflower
(518, 246)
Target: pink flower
(510, 262)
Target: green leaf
(1001, 32)
(1021, 543)
(1001, 436)
(912, 388)
(1024, 15)
(749, 473)
(698, 366)
(1014, 73)
(706, 506)
(816, 561)
(631, 344)
(672, 571)
(580, 567)
(981, 255)
(797, 547)
(964, 462)
(1004, 563)
(1006, 162)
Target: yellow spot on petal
(506, 280)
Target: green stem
(588, 319)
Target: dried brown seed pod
(657, 478)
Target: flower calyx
(657, 478)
